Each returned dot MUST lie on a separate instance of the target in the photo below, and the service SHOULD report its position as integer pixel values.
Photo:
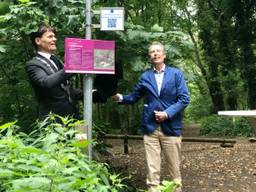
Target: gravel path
(206, 167)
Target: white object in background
(82, 136)
(238, 113)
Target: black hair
(39, 33)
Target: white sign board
(112, 19)
(238, 113)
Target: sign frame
(89, 56)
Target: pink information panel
(89, 56)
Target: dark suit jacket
(50, 88)
(173, 98)
(106, 84)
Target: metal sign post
(111, 19)
(88, 83)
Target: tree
(217, 22)
(245, 20)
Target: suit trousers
(155, 144)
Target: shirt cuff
(120, 97)
(166, 115)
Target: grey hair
(157, 43)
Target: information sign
(112, 19)
(89, 56)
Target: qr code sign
(112, 23)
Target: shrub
(168, 186)
(50, 159)
(225, 126)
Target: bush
(225, 126)
(50, 159)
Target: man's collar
(162, 70)
(46, 55)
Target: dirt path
(205, 167)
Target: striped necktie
(57, 63)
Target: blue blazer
(173, 98)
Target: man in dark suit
(166, 95)
(48, 79)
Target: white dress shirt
(159, 75)
(47, 55)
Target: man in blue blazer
(166, 96)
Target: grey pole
(88, 83)
(88, 14)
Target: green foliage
(23, 19)
(50, 159)
(199, 106)
(4, 7)
(167, 186)
(66, 16)
(227, 38)
(225, 126)
(16, 100)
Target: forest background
(213, 42)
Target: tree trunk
(244, 14)
(212, 79)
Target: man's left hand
(160, 116)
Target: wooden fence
(125, 138)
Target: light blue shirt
(159, 75)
